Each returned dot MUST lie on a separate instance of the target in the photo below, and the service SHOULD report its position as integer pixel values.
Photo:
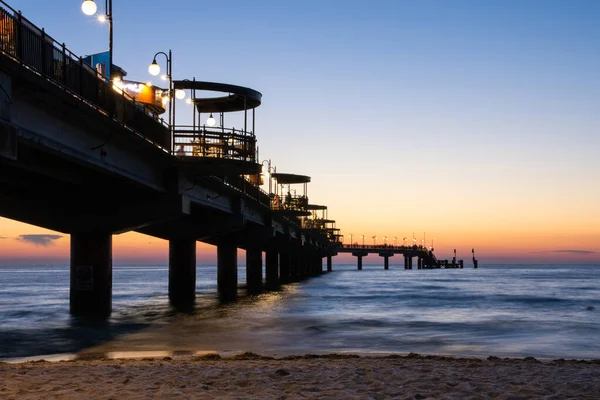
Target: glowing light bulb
(164, 77)
(180, 94)
(188, 100)
(102, 18)
(154, 68)
(211, 120)
(89, 7)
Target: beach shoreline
(252, 376)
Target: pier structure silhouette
(86, 153)
(426, 259)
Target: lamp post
(395, 239)
(269, 170)
(89, 8)
(363, 240)
(405, 241)
(385, 240)
(374, 239)
(154, 70)
(351, 236)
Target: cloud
(573, 251)
(3, 237)
(39, 240)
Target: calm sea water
(521, 310)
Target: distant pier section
(426, 259)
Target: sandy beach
(249, 376)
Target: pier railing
(31, 47)
(227, 143)
(383, 247)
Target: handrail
(384, 247)
(214, 143)
(30, 46)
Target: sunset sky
(476, 122)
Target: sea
(542, 311)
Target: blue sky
(389, 104)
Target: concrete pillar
(227, 269)
(182, 272)
(272, 268)
(419, 263)
(301, 265)
(284, 268)
(405, 261)
(294, 266)
(254, 270)
(329, 263)
(410, 262)
(359, 262)
(317, 265)
(91, 274)
(386, 262)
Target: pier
(87, 153)
(425, 257)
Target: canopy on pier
(286, 179)
(315, 207)
(239, 98)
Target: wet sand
(249, 376)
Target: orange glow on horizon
(503, 246)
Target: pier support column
(182, 272)
(91, 274)
(317, 265)
(302, 265)
(284, 267)
(227, 269)
(294, 266)
(359, 262)
(386, 262)
(419, 263)
(254, 270)
(329, 263)
(410, 262)
(272, 268)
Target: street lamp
(89, 8)
(363, 240)
(270, 171)
(351, 236)
(374, 239)
(180, 94)
(395, 238)
(405, 241)
(154, 70)
(211, 120)
(385, 240)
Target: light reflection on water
(542, 311)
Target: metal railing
(215, 143)
(289, 202)
(30, 46)
(384, 247)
